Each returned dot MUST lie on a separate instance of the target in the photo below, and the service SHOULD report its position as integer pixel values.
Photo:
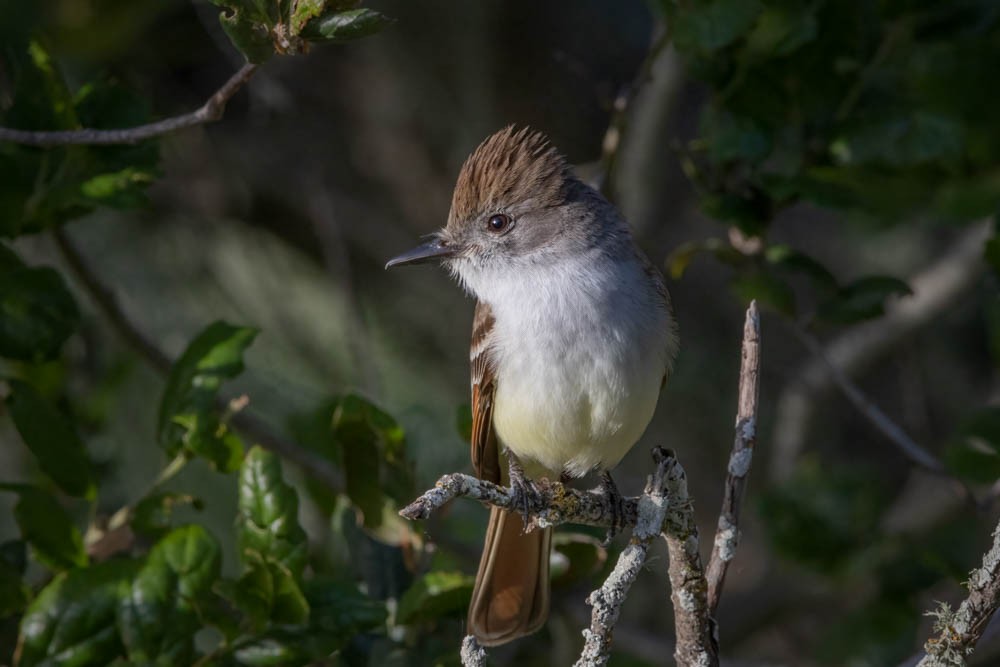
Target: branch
(958, 631)
(472, 654)
(934, 290)
(252, 427)
(694, 627)
(607, 600)
(618, 125)
(212, 110)
(555, 503)
(727, 533)
(874, 414)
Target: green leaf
(252, 39)
(780, 31)
(340, 610)
(682, 256)
(44, 188)
(910, 139)
(435, 595)
(974, 453)
(46, 526)
(732, 138)
(373, 448)
(37, 311)
(303, 11)
(50, 436)
(267, 592)
(991, 253)
(72, 621)
(14, 593)
(345, 26)
(121, 189)
(768, 289)
(823, 516)
(710, 26)
(268, 523)
(188, 419)
(361, 464)
(158, 613)
(576, 557)
(153, 514)
(785, 257)
(862, 299)
(463, 421)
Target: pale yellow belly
(575, 420)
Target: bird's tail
(511, 595)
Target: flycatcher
(572, 340)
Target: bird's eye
(499, 222)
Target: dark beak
(433, 249)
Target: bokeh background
(282, 215)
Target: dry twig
(212, 110)
(727, 534)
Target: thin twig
(618, 125)
(958, 631)
(727, 533)
(872, 412)
(936, 289)
(251, 426)
(212, 110)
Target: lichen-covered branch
(958, 631)
(211, 110)
(607, 600)
(555, 503)
(472, 654)
(694, 626)
(727, 533)
(663, 509)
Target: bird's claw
(526, 496)
(617, 505)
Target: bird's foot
(617, 504)
(527, 498)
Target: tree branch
(556, 503)
(251, 426)
(934, 290)
(727, 533)
(665, 486)
(618, 125)
(212, 110)
(958, 631)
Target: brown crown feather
(510, 166)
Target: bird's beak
(433, 249)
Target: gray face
(525, 232)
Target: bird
(573, 338)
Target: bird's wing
(485, 453)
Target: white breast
(580, 351)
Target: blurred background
(282, 215)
